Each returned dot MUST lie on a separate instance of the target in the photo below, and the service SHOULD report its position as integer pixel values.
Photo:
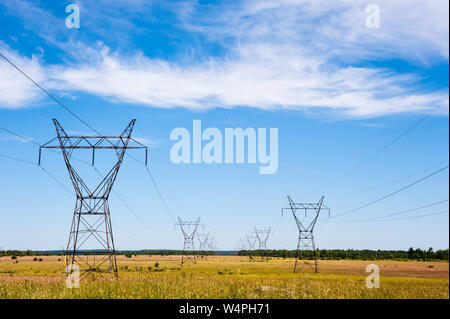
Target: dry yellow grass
(226, 277)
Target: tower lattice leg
(306, 243)
(188, 251)
(88, 227)
(316, 261)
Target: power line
(79, 118)
(57, 181)
(17, 159)
(74, 49)
(67, 109)
(160, 194)
(277, 225)
(134, 213)
(37, 144)
(85, 60)
(412, 217)
(386, 146)
(418, 172)
(393, 193)
(69, 191)
(49, 94)
(56, 25)
(19, 136)
(35, 165)
(393, 214)
(128, 207)
(85, 123)
(156, 187)
(123, 229)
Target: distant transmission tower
(203, 240)
(251, 241)
(242, 244)
(91, 223)
(262, 235)
(189, 229)
(212, 244)
(305, 224)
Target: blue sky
(336, 90)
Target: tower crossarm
(188, 227)
(315, 208)
(69, 143)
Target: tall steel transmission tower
(305, 223)
(91, 223)
(189, 229)
(262, 235)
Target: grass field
(226, 277)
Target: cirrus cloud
(297, 55)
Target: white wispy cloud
(410, 29)
(261, 76)
(15, 90)
(294, 55)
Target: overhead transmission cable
(390, 143)
(412, 217)
(49, 94)
(85, 123)
(77, 117)
(128, 206)
(57, 181)
(17, 159)
(74, 49)
(377, 218)
(37, 144)
(160, 194)
(392, 193)
(123, 107)
(35, 165)
(154, 182)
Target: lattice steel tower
(204, 241)
(91, 218)
(189, 229)
(305, 224)
(251, 241)
(262, 235)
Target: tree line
(364, 254)
(324, 254)
(128, 253)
